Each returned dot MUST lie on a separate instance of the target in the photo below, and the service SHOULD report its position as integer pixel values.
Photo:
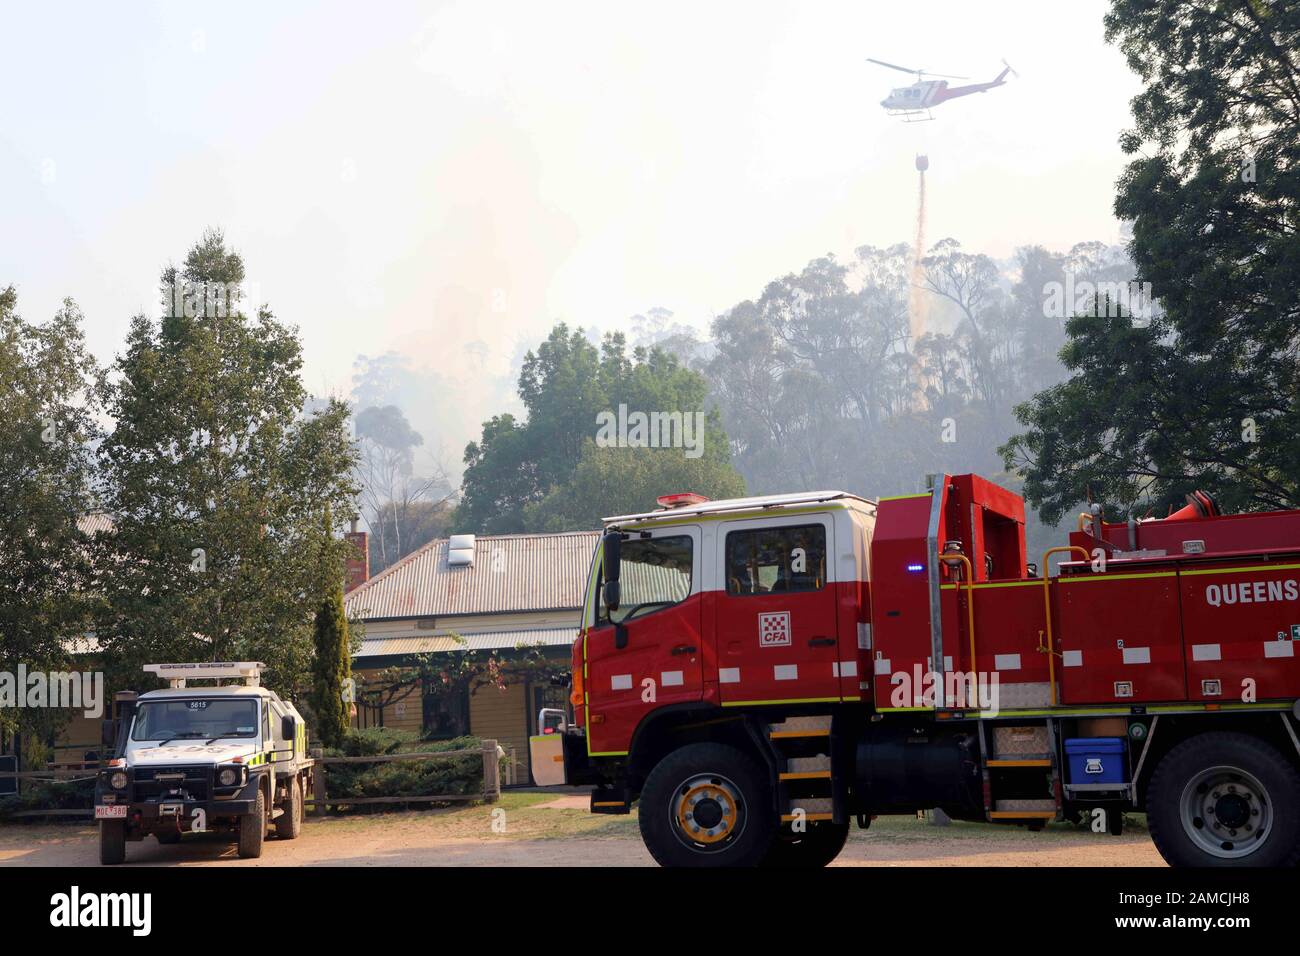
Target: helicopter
(913, 102)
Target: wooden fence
(320, 798)
(51, 775)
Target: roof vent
(460, 551)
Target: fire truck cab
(758, 673)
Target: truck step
(821, 762)
(814, 809)
(1023, 810)
(1021, 741)
(816, 725)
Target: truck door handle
(820, 641)
(684, 649)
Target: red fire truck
(759, 673)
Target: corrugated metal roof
(89, 524)
(511, 572)
(482, 641)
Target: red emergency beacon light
(680, 500)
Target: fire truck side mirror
(108, 732)
(612, 543)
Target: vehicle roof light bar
(177, 674)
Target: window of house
(776, 560)
(654, 573)
(445, 715)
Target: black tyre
(817, 847)
(112, 842)
(1225, 799)
(252, 829)
(168, 837)
(289, 824)
(707, 805)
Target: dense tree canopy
(519, 475)
(218, 483)
(1207, 393)
(47, 391)
(821, 385)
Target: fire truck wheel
(816, 848)
(252, 829)
(112, 842)
(1225, 799)
(289, 824)
(706, 805)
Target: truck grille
(155, 781)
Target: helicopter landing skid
(913, 116)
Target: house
(470, 593)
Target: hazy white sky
(449, 179)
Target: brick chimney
(358, 566)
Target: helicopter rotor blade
(892, 66)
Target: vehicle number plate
(110, 813)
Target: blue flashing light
(916, 567)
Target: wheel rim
(707, 813)
(1226, 812)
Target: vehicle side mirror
(612, 542)
(108, 732)
(288, 727)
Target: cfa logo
(774, 629)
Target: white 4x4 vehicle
(196, 759)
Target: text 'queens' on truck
(760, 672)
(194, 759)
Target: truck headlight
(117, 781)
(228, 776)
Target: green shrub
(459, 775)
(51, 795)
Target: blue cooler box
(1097, 760)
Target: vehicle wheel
(707, 805)
(289, 824)
(168, 837)
(112, 842)
(1225, 799)
(817, 847)
(252, 829)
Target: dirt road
(540, 831)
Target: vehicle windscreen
(207, 718)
